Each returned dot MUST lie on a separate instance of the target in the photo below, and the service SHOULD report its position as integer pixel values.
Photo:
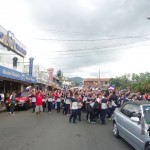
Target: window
(146, 111)
(124, 109)
(131, 110)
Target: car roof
(138, 102)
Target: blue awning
(16, 75)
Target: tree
(137, 82)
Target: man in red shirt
(39, 108)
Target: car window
(131, 110)
(124, 109)
(146, 111)
(25, 94)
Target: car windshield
(25, 94)
(146, 111)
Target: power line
(86, 40)
(85, 54)
(99, 48)
(84, 33)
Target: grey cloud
(108, 17)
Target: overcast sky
(81, 37)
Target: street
(24, 131)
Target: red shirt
(38, 99)
(55, 95)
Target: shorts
(39, 108)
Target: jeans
(12, 107)
(103, 115)
(44, 106)
(67, 109)
(33, 106)
(73, 115)
(87, 114)
(58, 106)
(79, 114)
(50, 106)
(92, 116)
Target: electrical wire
(100, 48)
(86, 40)
(111, 51)
(99, 34)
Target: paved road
(24, 131)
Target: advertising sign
(51, 70)
(8, 40)
(13, 74)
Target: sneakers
(92, 122)
(12, 113)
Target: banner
(8, 40)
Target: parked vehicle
(132, 122)
(23, 100)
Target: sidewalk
(2, 109)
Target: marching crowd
(95, 103)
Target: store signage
(16, 75)
(8, 40)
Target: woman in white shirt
(67, 104)
(33, 99)
(74, 108)
(58, 103)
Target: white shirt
(50, 99)
(43, 100)
(33, 99)
(104, 106)
(80, 105)
(84, 99)
(67, 101)
(74, 105)
(58, 99)
(2, 96)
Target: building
(45, 78)
(12, 54)
(96, 82)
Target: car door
(120, 118)
(133, 130)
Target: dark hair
(105, 95)
(114, 92)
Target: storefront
(12, 76)
(12, 80)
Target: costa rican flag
(111, 87)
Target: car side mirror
(135, 119)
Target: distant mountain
(76, 79)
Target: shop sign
(8, 40)
(16, 75)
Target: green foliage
(137, 82)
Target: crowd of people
(98, 105)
